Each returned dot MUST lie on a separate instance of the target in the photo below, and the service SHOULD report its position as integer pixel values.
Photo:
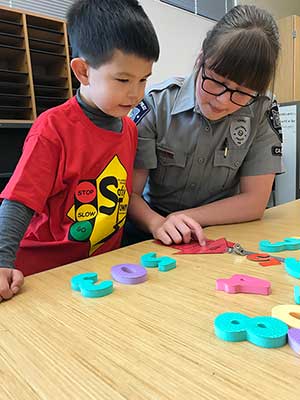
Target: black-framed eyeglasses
(216, 88)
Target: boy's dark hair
(99, 27)
(243, 47)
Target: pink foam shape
(241, 283)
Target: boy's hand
(11, 281)
(179, 228)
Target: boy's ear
(81, 70)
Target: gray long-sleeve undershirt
(14, 220)
(15, 217)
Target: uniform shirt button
(237, 163)
(206, 128)
(193, 185)
(201, 160)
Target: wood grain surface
(154, 340)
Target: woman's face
(214, 106)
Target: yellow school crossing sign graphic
(100, 206)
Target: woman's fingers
(179, 228)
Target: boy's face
(119, 85)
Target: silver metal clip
(240, 251)
(237, 249)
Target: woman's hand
(177, 228)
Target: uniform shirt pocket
(226, 169)
(170, 166)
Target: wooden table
(154, 340)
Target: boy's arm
(139, 210)
(248, 205)
(14, 220)
(172, 229)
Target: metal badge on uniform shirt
(274, 119)
(240, 130)
(138, 113)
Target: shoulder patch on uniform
(274, 119)
(277, 151)
(139, 112)
(175, 81)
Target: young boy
(68, 196)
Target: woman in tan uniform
(209, 144)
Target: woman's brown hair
(243, 47)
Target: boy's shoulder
(57, 112)
(54, 119)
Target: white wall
(180, 34)
(278, 8)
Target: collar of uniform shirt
(186, 100)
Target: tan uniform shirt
(194, 161)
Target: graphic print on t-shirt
(100, 206)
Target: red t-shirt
(77, 178)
